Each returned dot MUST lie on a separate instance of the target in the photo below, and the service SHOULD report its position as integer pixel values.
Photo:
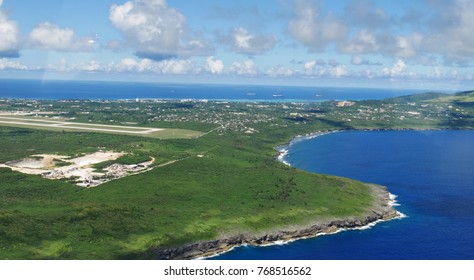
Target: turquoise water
(432, 172)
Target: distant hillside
(465, 99)
(417, 97)
(465, 93)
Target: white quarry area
(79, 169)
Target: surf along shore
(381, 210)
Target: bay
(430, 171)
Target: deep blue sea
(430, 171)
(38, 89)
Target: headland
(381, 210)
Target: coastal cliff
(382, 210)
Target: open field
(59, 125)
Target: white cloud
(359, 60)
(66, 67)
(214, 66)
(127, 65)
(62, 66)
(365, 28)
(279, 71)
(114, 45)
(398, 69)
(241, 38)
(241, 41)
(6, 64)
(47, 36)
(376, 32)
(309, 67)
(363, 42)
(154, 30)
(366, 41)
(364, 13)
(130, 65)
(1, 3)
(91, 66)
(177, 67)
(171, 66)
(246, 68)
(9, 37)
(314, 30)
(451, 31)
(445, 31)
(407, 46)
(327, 69)
(367, 73)
(339, 71)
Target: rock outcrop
(382, 210)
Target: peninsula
(213, 182)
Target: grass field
(60, 125)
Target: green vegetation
(125, 159)
(222, 183)
(59, 163)
(56, 125)
(193, 199)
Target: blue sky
(405, 44)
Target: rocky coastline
(382, 210)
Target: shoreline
(381, 211)
(393, 202)
(283, 149)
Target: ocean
(37, 89)
(429, 171)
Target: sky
(424, 44)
